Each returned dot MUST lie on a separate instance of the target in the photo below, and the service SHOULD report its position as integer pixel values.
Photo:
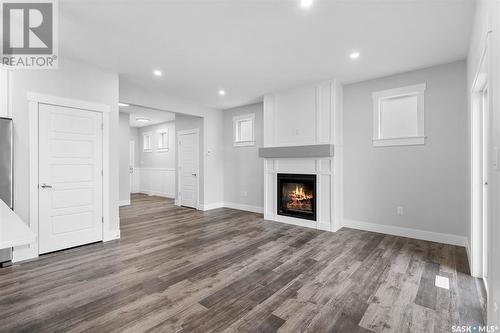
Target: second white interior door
(70, 177)
(188, 169)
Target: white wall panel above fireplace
(302, 116)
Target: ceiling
(154, 116)
(252, 47)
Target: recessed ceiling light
(123, 104)
(222, 92)
(142, 120)
(354, 55)
(306, 3)
(157, 72)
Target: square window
(163, 140)
(398, 116)
(243, 130)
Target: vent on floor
(442, 282)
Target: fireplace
(297, 195)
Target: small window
(146, 141)
(163, 140)
(243, 129)
(398, 116)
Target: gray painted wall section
(124, 139)
(429, 181)
(244, 169)
(155, 158)
(134, 136)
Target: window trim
(150, 135)
(160, 132)
(236, 121)
(379, 96)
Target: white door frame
(34, 100)
(178, 197)
(481, 78)
(131, 170)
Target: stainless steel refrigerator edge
(6, 173)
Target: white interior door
(70, 177)
(188, 169)
(131, 165)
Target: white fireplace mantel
(309, 116)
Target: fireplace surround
(296, 195)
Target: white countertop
(13, 231)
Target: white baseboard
(324, 226)
(248, 208)
(408, 232)
(124, 203)
(211, 206)
(23, 252)
(232, 205)
(469, 259)
(111, 235)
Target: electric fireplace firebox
(297, 196)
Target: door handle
(193, 174)
(46, 186)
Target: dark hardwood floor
(181, 270)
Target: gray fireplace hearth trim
(321, 150)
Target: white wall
(304, 115)
(124, 175)
(487, 18)
(73, 80)
(133, 93)
(243, 168)
(429, 181)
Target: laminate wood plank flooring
(180, 270)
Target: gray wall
(124, 147)
(185, 122)
(244, 170)
(134, 136)
(155, 158)
(429, 181)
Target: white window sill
(244, 144)
(410, 141)
(162, 150)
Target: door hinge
(102, 219)
(102, 172)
